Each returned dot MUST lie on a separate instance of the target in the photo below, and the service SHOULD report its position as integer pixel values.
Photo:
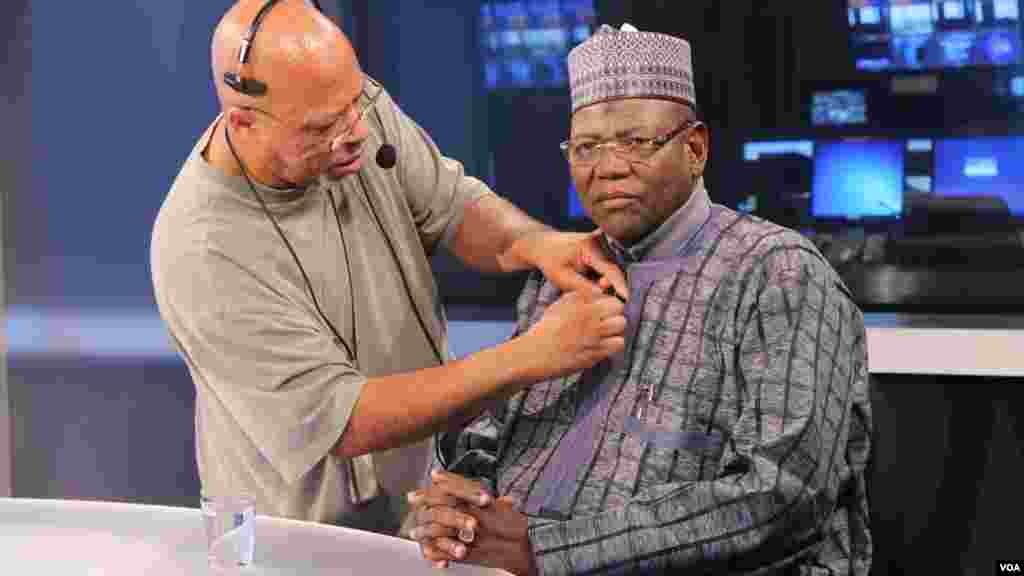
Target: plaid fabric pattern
(751, 343)
(616, 64)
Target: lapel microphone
(387, 156)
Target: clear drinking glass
(230, 531)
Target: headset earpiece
(237, 82)
(247, 86)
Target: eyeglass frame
(614, 145)
(332, 141)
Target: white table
(70, 537)
(961, 345)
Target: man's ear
(240, 118)
(697, 144)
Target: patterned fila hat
(627, 63)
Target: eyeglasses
(328, 136)
(359, 117)
(630, 149)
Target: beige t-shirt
(274, 392)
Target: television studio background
(890, 132)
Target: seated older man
(732, 432)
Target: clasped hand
(457, 519)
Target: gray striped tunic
(729, 437)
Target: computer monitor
(839, 107)
(754, 151)
(857, 178)
(776, 180)
(982, 166)
(895, 35)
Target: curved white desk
(959, 345)
(945, 344)
(71, 537)
(897, 343)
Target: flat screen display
(858, 178)
(934, 34)
(989, 166)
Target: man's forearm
(487, 237)
(403, 408)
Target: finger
(460, 487)
(435, 555)
(613, 345)
(453, 548)
(506, 502)
(586, 274)
(448, 517)
(608, 307)
(432, 497)
(442, 549)
(596, 260)
(570, 281)
(425, 533)
(609, 290)
(612, 326)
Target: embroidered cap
(627, 63)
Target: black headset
(252, 86)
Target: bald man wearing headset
(294, 279)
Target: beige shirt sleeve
(287, 385)
(436, 187)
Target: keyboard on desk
(961, 287)
(987, 251)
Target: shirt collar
(671, 236)
(240, 184)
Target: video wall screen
(525, 43)
(901, 35)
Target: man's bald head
(300, 127)
(302, 56)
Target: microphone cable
(352, 350)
